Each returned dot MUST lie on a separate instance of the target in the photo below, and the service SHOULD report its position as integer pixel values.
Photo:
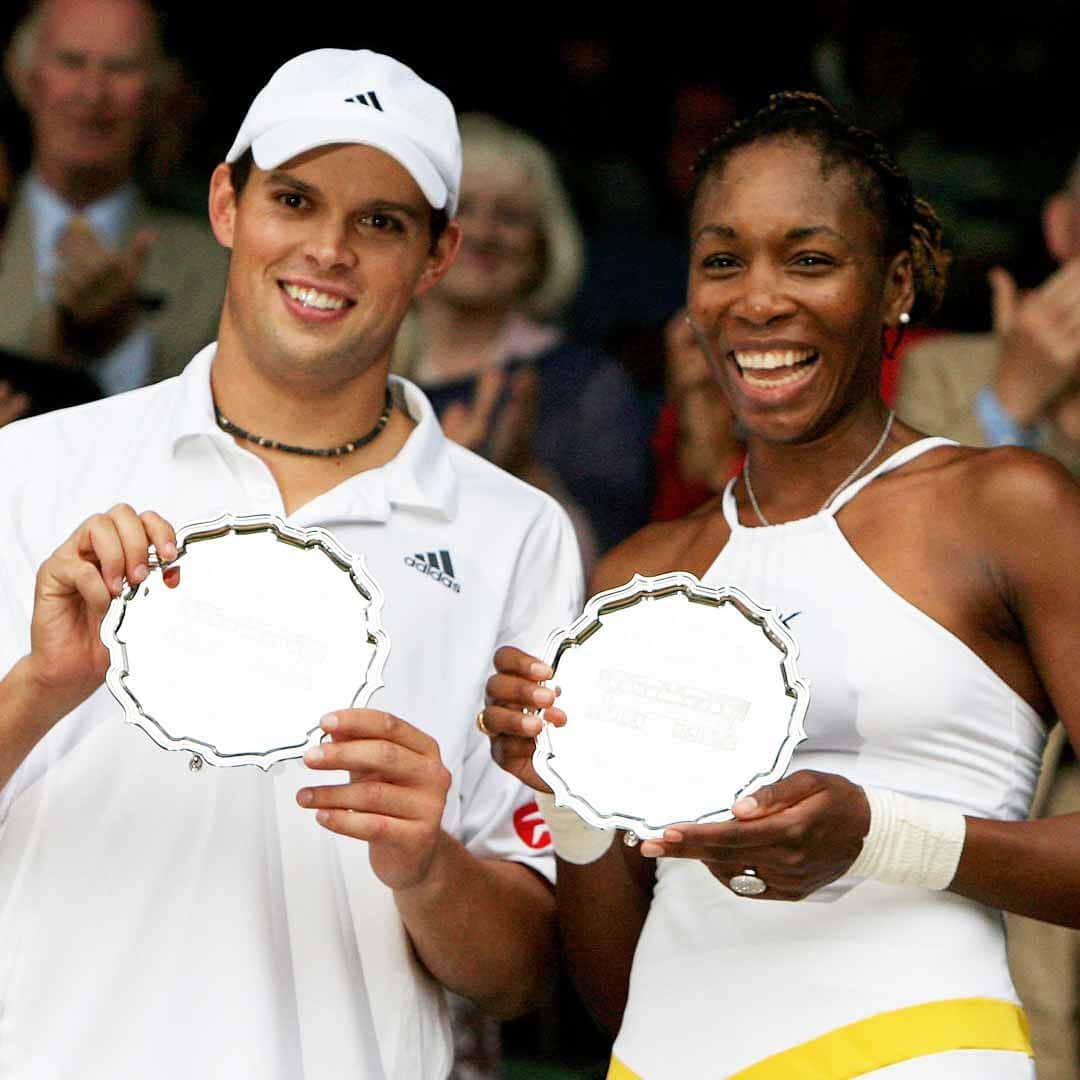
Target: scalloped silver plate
(269, 628)
(681, 698)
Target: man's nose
(328, 244)
(94, 84)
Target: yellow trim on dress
(888, 1038)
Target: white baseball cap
(341, 96)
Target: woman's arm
(602, 904)
(1032, 512)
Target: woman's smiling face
(789, 288)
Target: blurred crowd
(555, 346)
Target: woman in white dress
(937, 615)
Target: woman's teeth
(777, 358)
(774, 367)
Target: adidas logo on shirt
(435, 565)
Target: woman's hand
(796, 835)
(514, 696)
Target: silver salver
(681, 698)
(269, 628)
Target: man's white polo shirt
(159, 923)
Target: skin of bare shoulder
(690, 543)
(1029, 508)
(961, 533)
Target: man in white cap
(226, 922)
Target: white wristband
(573, 840)
(910, 842)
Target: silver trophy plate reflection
(680, 698)
(269, 628)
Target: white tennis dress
(918, 981)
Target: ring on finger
(484, 730)
(747, 883)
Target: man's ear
(899, 289)
(441, 257)
(1061, 226)
(223, 205)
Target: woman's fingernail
(329, 722)
(306, 797)
(322, 816)
(543, 696)
(749, 805)
(651, 850)
(540, 671)
(674, 836)
(139, 573)
(314, 755)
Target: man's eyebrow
(389, 206)
(278, 176)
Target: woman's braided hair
(907, 223)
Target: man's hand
(514, 695)
(483, 927)
(395, 796)
(96, 287)
(797, 835)
(74, 588)
(1040, 341)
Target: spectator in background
(696, 443)
(28, 387)
(91, 275)
(14, 402)
(1020, 385)
(503, 378)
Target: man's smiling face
(328, 251)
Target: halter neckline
(843, 497)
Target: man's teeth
(768, 361)
(314, 298)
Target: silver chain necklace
(840, 487)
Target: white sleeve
(499, 817)
(18, 572)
